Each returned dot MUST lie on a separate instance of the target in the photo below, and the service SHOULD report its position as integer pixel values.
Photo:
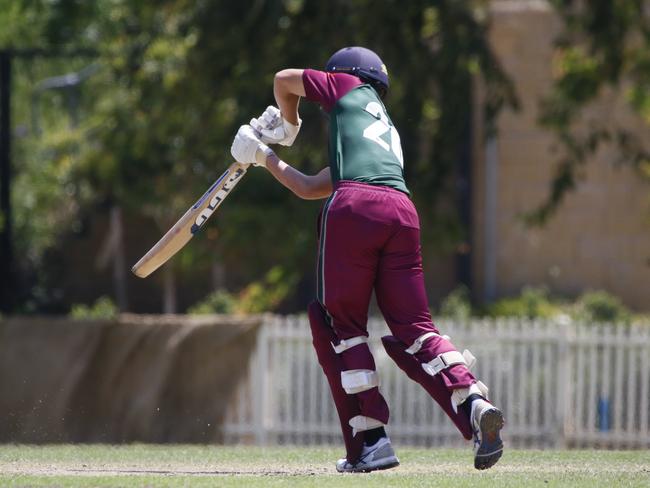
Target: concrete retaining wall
(139, 378)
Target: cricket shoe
(487, 422)
(378, 456)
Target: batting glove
(248, 149)
(274, 129)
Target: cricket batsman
(369, 238)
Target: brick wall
(600, 239)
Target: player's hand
(248, 149)
(274, 129)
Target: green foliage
(457, 304)
(219, 301)
(600, 306)
(266, 294)
(260, 296)
(605, 45)
(153, 124)
(103, 308)
(535, 302)
(531, 303)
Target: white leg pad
(360, 423)
(460, 395)
(358, 380)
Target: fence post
(563, 404)
(260, 379)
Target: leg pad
(435, 385)
(347, 406)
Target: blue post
(603, 414)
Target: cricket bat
(190, 223)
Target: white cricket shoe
(487, 422)
(378, 456)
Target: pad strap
(345, 344)
(443, 361)
(358, 380)
(470, 360)
(417, 343)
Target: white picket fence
(559, 385)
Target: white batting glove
(248, 149)
(274, 129)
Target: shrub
(532, 303)
(103, 308)
(264, 295)
(219, 301)
(267, 294)
(457, 304)
(600, 306)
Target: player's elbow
(289, 81)
(311, 189)
(282, 77)
(304, 191)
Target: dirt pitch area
(177, 465)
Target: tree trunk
(119, 260)
(169, 290)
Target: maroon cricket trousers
(369, 238)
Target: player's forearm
(304, 186)
(287, 89)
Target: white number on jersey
(375, 130)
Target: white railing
(559, 385)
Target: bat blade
(190, 223)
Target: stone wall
(139, 378)
(600, 238)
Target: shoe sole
(380, 467)
(491, 447)
(368, 469)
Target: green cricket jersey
(364, 145)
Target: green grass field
(180, 465)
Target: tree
(176, 78)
